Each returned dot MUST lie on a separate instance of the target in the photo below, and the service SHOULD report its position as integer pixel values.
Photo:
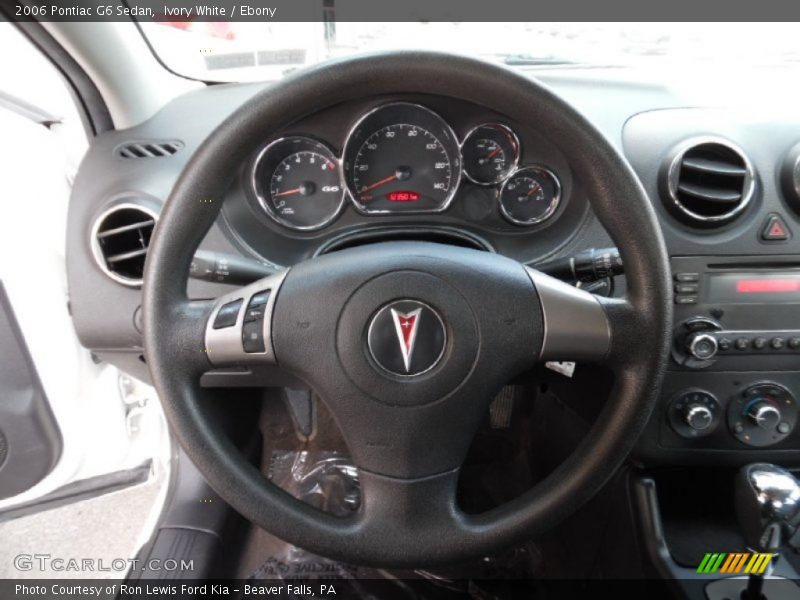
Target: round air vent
(120, 238)
(709, 182)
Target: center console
(735, 363)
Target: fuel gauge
(490, 153)
(531, 195)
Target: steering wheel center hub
(406, 338)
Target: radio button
(742, 343)
(687, 277)
(701, 346)
(685, 299)
(777, 343)
(686, 288)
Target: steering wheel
(406, 342)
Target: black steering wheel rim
(175, 349)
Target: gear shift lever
(768, 507)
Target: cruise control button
(794, 343)
(226, 317)
(724, 343)
(759, 343)
(742, 343)
(259, 299)
(777, 343)
(253, 336)
(254, 314)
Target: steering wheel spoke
(576, 326)
(238, 331)
(423, 508)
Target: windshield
(246, 51)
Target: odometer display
(400, 158)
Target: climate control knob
(694, 413)
(701, 345)
(698, 416)
(764, 415)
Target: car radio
(737, 312)
(734, 377)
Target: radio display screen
(759, 287)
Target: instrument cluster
(399, 158)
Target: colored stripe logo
(735, 562)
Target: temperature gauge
(490, 153)
(531, 195)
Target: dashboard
(400, 158)
(398, 167)
(724, 182)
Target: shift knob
(768, 506)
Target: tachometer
(401, 158)
(298, 183)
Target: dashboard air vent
(149, 149)
(120, 238)
(709, 182)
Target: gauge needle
(296, 190)
(495, 151)
(378, 183)
(534, 190)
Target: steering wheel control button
(742, 343)
(794, 343)
(226, 317)
(406, 338)
(762, 415)
(253, 337)
(694, 413)
(759, 343)
(777, 343)
(256, 307)
(253, 329)
(775, 229)
(259, 299)
(254, 314)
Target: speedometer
(401, 158)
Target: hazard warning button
(775, 229)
